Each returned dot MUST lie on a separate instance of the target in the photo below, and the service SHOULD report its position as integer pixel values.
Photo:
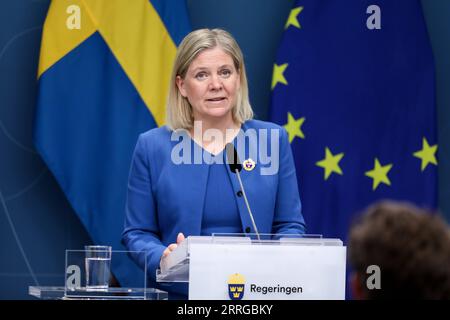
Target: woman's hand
(173, 246)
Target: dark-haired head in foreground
(409, 245)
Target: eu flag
(353, 84)
(104, 72)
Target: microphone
(235, 166)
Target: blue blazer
(165, 198)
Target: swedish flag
(103, 77)
(354, 87)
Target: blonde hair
(179, 110)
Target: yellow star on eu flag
(330, 163)
(278, 75)
(427, 154)
(293, 18)
(293, 127)
(379, 174)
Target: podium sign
(266, 271)
(275, 267)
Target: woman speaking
(180, 181)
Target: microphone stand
(248, 206)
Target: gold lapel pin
(249, 164)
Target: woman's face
(211, 85)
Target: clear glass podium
(88, 277)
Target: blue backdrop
(36, 222)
